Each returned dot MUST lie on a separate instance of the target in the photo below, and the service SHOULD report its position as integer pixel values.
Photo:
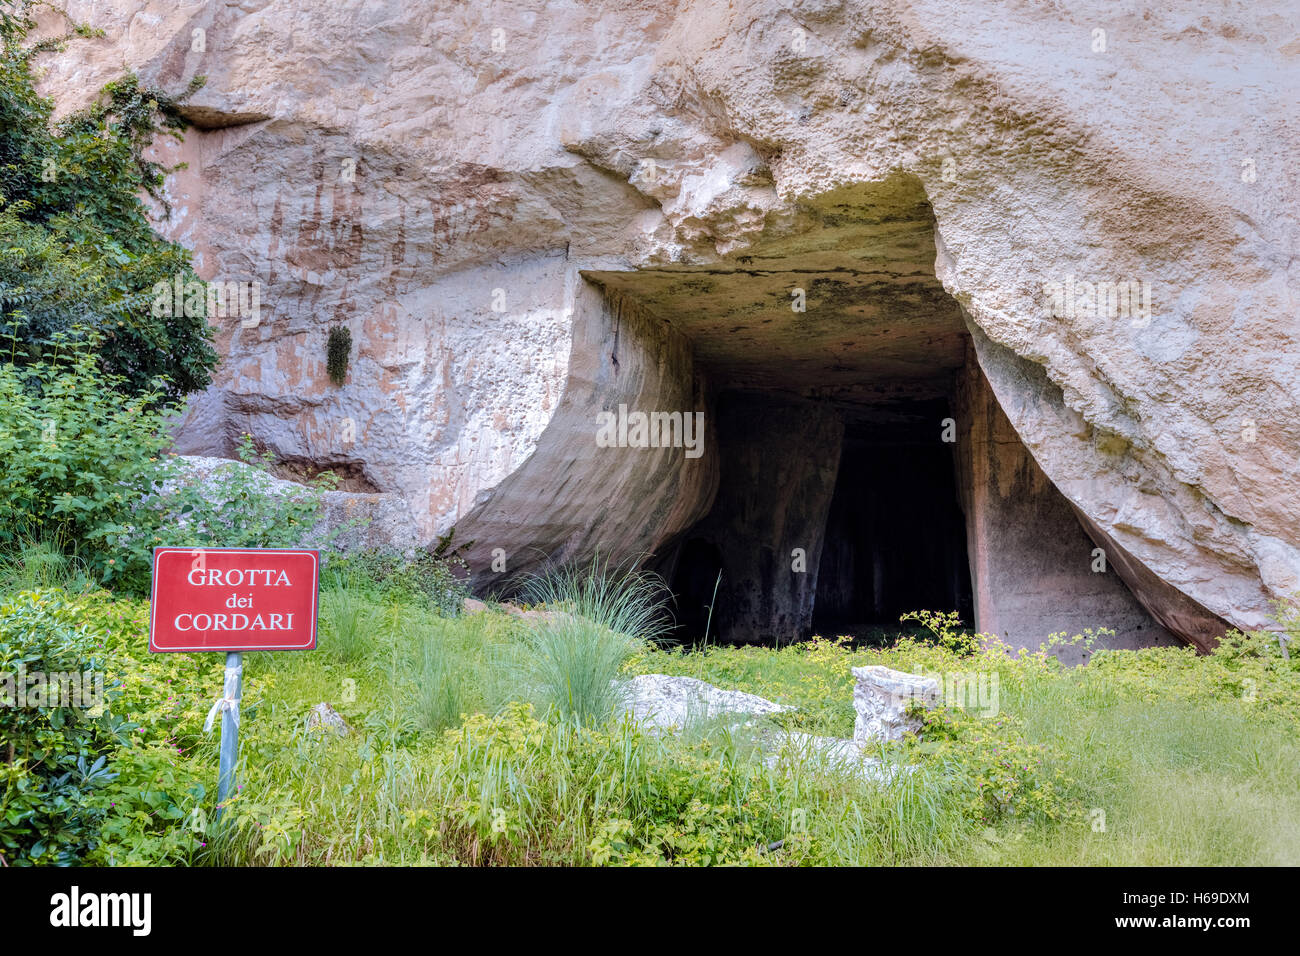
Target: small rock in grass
(662, 701)
(881, 696)
(325, 717)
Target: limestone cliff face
(472, 188)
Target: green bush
(1247, 669)
(86, 473)
(39, 564)
(350, 623)
(235, 507)
(945, 627)
(52, 758)
(997, 772)
(80, 461)
(78, 255)
(513, 789)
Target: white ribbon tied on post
(227, 702)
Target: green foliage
(337, 349)
(572, 667)
(1249, 669)
(37, 565)
(78, 256)
(53, 756)
(79, 460)
(439, 700)
(158, 809)
(388, 575)
(235, 507)
(945, 626)
(521, 790)
(86, 473)
(996, 771)
(597, 615)
(621, 598)
(349, 622)
(50, 756)
(1184, 761)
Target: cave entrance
(864, 466)
(895, 536)
(827, 519)
(829, 352)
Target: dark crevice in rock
(211, 118)
(350, 475)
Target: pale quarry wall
(390, 166)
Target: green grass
(618, 597)
(1191, 760)
(1169, 760)
(571, 667)
(41, 564)
(595, 617)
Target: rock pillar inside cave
(1033, 567)
(778, 461)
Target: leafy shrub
(1248, 669)
(52, 758)
(86, 472)
(153, 811)
(77, 253)
(80, 459)
(997, 772)
(522, 790)
(945, 627)
(236, 507)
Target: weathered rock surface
(778, 461)
(881, 696)
(1027, 548)
(349, 521)
(664, 701)
(484, 195)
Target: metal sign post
(233, 600)
(229, 704)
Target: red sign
(234, 599)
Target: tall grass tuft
(598, 615)
(620, 597)
(572, 668)
(440, 697)
(350, 623)
(41, 564)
